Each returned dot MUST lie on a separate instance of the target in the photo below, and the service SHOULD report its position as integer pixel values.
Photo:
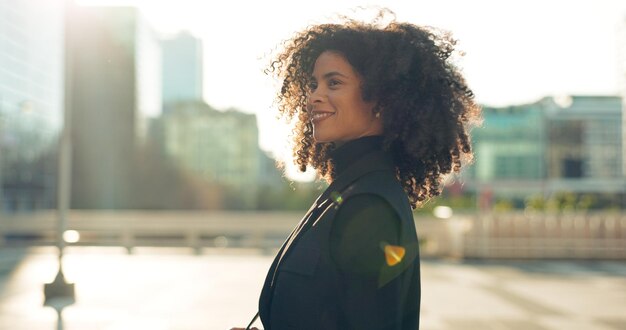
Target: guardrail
(577, 235)
(147, 228)
(491, 235)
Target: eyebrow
(332, 74)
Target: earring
(377, 115)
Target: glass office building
(31, 102)
(570, 143)
(510, 145)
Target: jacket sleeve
(364, 244)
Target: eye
(312, 86)
(333, 83)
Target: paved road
(174, 289)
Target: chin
(321, 138)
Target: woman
(382, 115)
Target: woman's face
(335, 104)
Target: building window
(572, 168)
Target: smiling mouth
(319, 116)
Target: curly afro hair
(426, 106)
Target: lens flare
(442, 212)
(336, 197)
(71, 236)
(394, 254)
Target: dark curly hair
(426, 106)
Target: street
(159, 288)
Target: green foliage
(585, 202)
(462, 202)
(503, 205)
(535, 203)
(569, 201)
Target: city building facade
(31, 102)
(217, 146)
(115, 87)
(182, 68)
(557, 144)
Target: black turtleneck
(344, 155)
(363, 224)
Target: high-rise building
(31, 102)
(115, 86)
(182, 68)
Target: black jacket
(310, 285)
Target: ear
(377, 110)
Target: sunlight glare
(442, 212)
(71, 236)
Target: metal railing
(579, 235)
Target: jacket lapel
(266, 292)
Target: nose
(315, 96)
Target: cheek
(361, 109)
(346, 104)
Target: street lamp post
(60, 293)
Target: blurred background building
(584, 141)
(182, 68)
(31, 96)
(128, 152)
(558, 144)
(219, 147)
(509, 151)
(115, 83)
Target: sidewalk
(174, 289)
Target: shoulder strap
(253, 319)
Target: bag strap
(253, 319)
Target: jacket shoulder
(385, 185)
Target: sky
(516, 51)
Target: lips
(318, 116)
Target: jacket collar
(374, 160)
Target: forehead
(332, 61)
